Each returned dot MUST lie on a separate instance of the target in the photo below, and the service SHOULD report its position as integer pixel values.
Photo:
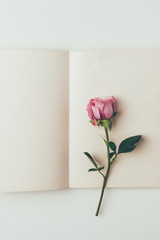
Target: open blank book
(45, 129)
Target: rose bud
(100, 109)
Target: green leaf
(92, 169)
(112, 146)
(110, 124)
(105, 122)
(128, 144)
(91, 122)
(91, 159)
(127, 149)
(100, 168)
(99, 123)
(95, 169)
(114, 114)
(111, 154)
(131, 140)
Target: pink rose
(101, 109)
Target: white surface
(86, 24)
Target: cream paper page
(133, 78)
(34, 120)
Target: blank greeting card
(44, 127)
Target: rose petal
(114, 106)
(108, 110)
(95, 122)
(110, 98)
(99, 104)
(89, 110)
(96, 113)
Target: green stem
(107, 172)
(114, 159)
(102, 174)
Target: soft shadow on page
(34, 120)
(133, 78)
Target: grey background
(77, 25)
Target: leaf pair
(93, 162)
(128, 145)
